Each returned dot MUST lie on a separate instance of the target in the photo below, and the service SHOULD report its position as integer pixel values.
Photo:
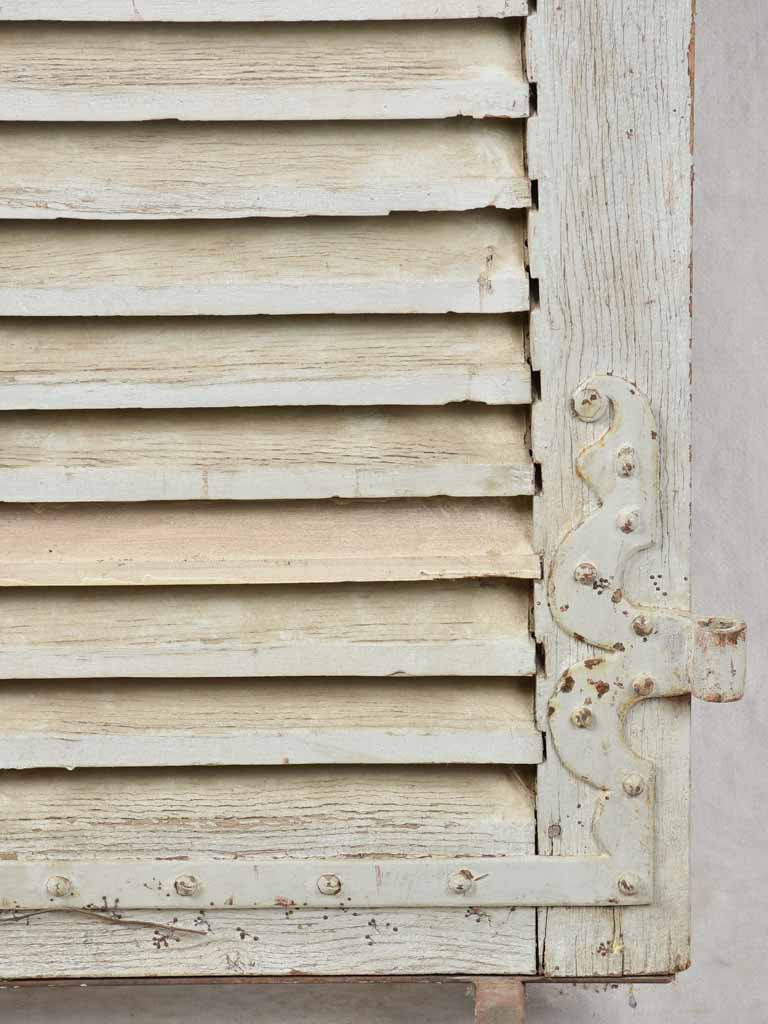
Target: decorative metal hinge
(645, 652)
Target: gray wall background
(726, 985)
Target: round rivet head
(461, 882)
(633, 784)
(589, 404)
(187, 885)
(626, 461)
(329, 885)
(628, 885)
(582, 718)
(628, 520)
(585, 573)
(59, 886)
(644, 686)
(643, 626)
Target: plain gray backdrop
(727, 984)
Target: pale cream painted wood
(130, 723)
(195, 362)
(406, 263)
(270, 813)
(156, 171)
(310, 72)
(338, 630)
(255, 10)
(461, 450)
(265, 542)
(272, 942)
(615, 297)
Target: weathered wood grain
(237, 454)
(406, 263)
(310, 72)
(273, 942)
(255, 10)
(422, 629)
(156, 171)
(270, 813)
(198, 362)
(612, 132)
(154, 723)
(265, 542)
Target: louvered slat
(101, 724)
(156, 171)
(407, 263)
(313, 72)
(386, 629)
(190, 362)
(255, 10)
(268, 542)
(265, 454)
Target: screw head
(329, 885)
(59, 886)
(585, 573)
(644, 686)
(643, 625)
(461, 882)
(187, 885)
(582, 718)
(589, 404)
(626, 461)
(629, 520)
(628, 885)
(634, 784)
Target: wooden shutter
(293, 304)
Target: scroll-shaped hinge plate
(644, 651)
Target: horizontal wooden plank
(279, 72)
(172, 169)
(405, 263)
(265, 542)
(255, 10)
(228, 943)
(237, 454)
(189, 362)
(414, 629)
(273, 813)
(100, 724)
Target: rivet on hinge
(585, 573)
(329, 885)
(582, 718)
(644, 686)
(634, 784)
(628, 520)
(643, 625)
(187, 885)
(628, 885)
(59, 886)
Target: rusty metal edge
(319, 979)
